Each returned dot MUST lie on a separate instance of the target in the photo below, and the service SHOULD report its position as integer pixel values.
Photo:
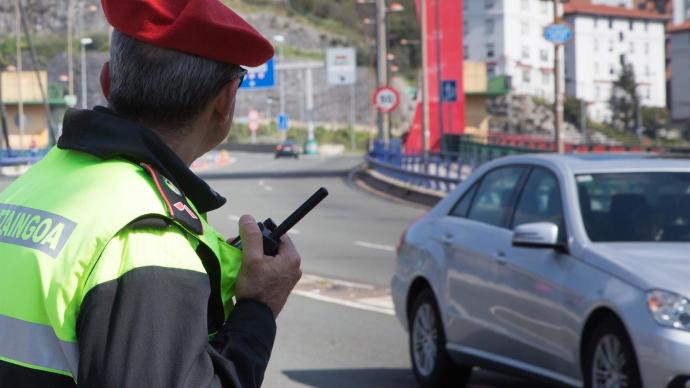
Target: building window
(488, 4)
(612, 70)
(622, 59)
(646, 25)
(610, 23)
(646, 48)
(621, 36)
(525, 52)
(596, 22)
(489, 26)
(526, 75)
(490, 70)
(465, 27)
(632, 47)
(524, 28)
(631, 24)
(490, 50)
(544, 55)
(466, 51)
(610, 46)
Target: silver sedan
(574, 270)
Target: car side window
(540, 200)
(463, 206)
(494, 198)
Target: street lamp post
(84, 42)
(382, 63)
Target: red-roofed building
(605, 38)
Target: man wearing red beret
(110, 275)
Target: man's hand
(266, 279)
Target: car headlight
(669, 309)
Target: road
(347, 245)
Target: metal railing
(21, 157)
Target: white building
(508, 35)
(605, 38)
(680, 79)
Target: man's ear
(105, 80)
(224, 102)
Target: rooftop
(585, 8)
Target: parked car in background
(288, 148)
(570, 269)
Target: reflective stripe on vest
(37, 346)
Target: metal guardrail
(21, 157)
(436, 173)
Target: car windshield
(636, 207)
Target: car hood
(649, 265)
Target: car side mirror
(537, 235)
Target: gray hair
(162, 87)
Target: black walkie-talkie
(273, 233)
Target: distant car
(571, 269)
(287, 149)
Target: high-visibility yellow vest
(55, 222)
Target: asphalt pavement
(326, 338)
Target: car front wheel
(431, 363)
(609, 359)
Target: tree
(624, 100)
(572, 111)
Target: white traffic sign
(342, 66)
(386, 99)
(253, 120)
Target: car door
(529, 293)
(473, 232)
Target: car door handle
(501, 258)
(447, 239)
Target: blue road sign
(283, 122)
(449, 91)
(558, 33)
(261, 77)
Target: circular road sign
(253, 123)
(558, 33)
(386, 99)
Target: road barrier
(21, 157)
(442, 172)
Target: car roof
(605, 162)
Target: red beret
(206, 28)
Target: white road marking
(315, 278)
(345, 293)
(380, 247)
(233, 217)
(268, 188)
(347, 303)
(262, 182)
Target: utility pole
(558, 94)
(382, 63)
(20, 72)
(426, 127)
